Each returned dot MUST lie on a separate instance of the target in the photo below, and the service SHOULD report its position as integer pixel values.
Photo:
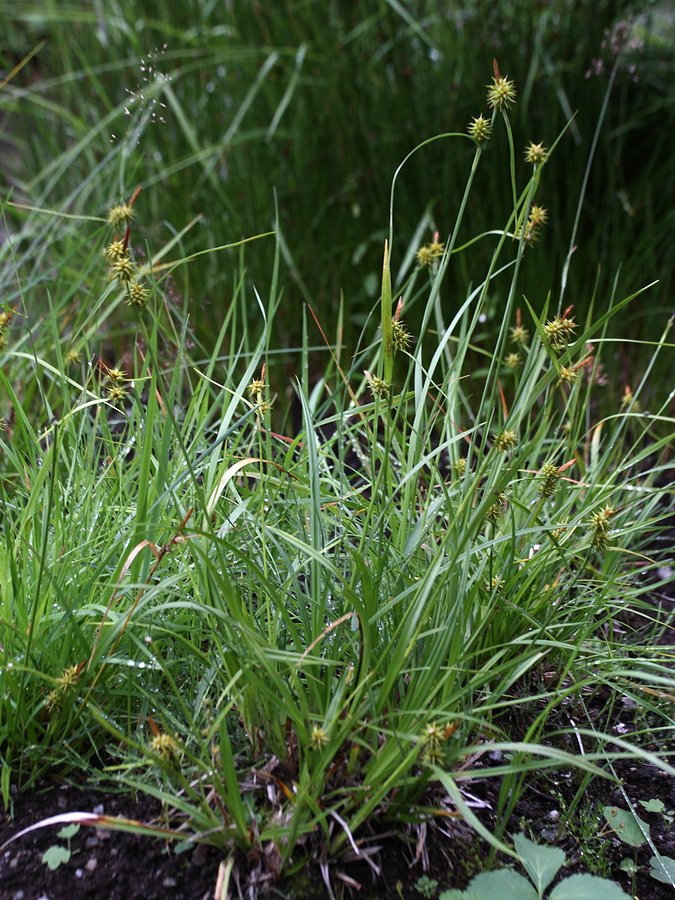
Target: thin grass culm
(305, 611)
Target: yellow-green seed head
(560, 331)
(479, 129)
(427, 254)
(600, 528)
(166, 747)
(459, 466)
(72, 357)
(123, 269)
(568, 375)
(318, 737)
(538, 215)
(496, 511)
(116, 393)
(535, 154)
(114, 251)
(400, 335)
(121, 214)
(519, 335)
(505, 441)
(256, 387)
(501, 93)
(117, 376)
(137, 295)
(379, 387)
(513, 361)
(548, 479)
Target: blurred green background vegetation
(222, 109)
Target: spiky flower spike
(505, 441)
(121, 214)
(427, 254)
(480, 129)
(123, 269)
(137, 294)
(378, 386)
(114, 251)
(501, 93)
(600, 528)
(166, 747)
(560, 330)
(548, 479)
(535, 154)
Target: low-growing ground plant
(294, 612)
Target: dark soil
(121, 866)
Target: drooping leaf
(587, 887)
(663, 869)
(627, 825)
(504, 885)
(541, 863)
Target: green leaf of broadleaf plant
(55, 856)
(663, 869)
(587, 887)
(502, 885)
(454, 894)
(626, 825)
(653, 805)
(541, 863)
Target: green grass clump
(292, 610)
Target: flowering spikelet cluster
(459, 466)
(64, 685)
(548, 479)
(480, 129)
(256, 391)
(535, 154)
(501, 93)
(600, 528)
(122, 214)
(505, 441)
(116, 379)
(400, 335)
(560, 331)
(318, 737)
(496, 511)
(429, 253)
(520, 336)
(72, 357)
(538, 217)
(513, 361)
(379, 388)
(118, 257)
(568, 375)
(433, 739)
(166, 747)
(6, 316)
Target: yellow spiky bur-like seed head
(480, 129)
(501, 93)
(121, 214)
(535, 154)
